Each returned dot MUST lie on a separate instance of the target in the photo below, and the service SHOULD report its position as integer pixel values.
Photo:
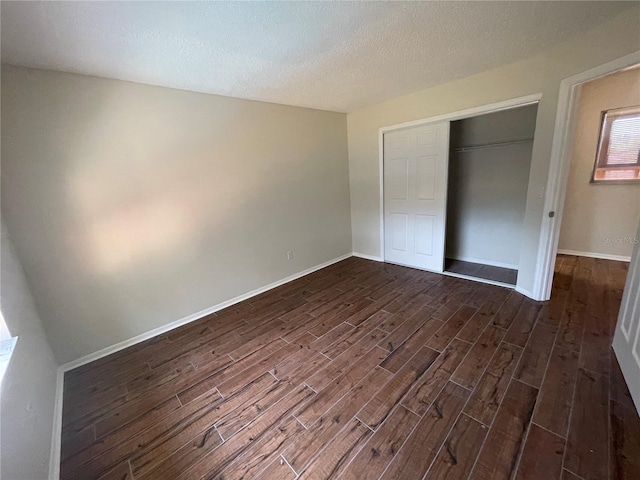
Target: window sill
(610, 175)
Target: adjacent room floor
(369, 370)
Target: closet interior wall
(490, 158)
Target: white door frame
(459, 115)
(559, 170)
(625, 340)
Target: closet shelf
(492, 145)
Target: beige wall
(29, 384)
(540, 74)
(599, 218)
(133, 206)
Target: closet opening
(488, 177)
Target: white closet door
(415, 195)
(626, 341)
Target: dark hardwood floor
(478, 270)
(368, 370)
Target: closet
(455, 193)
(488, 176)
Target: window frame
(600, 164)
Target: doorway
(489, 163)
(559, 169)
(598, 218)
(600, 215)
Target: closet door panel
(426, 176)
(399, 180)
(415, 190)
(399, 232)
(425, 234)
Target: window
(618, 154)
(7, 344)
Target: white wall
(599, 219)
(487, 191)
(133, 206)
(540, 74)
(29, 384)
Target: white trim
(512, 266)
(476, 279)
(524, 292)
(381, 186)
(603, 256)
(56, 434)
(467, 113)
(190, 318)
(559, 170)
(368, 257)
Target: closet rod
(492, 145)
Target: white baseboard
(190, 318)
(56, 434)
(368, 257)
(512, 266)
(603, 256)
(526, 293)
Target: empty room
(320, 240)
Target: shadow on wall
(147, 204)
(139, 210)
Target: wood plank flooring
(366, 370)
(487, 272)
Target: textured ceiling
(332, 56)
